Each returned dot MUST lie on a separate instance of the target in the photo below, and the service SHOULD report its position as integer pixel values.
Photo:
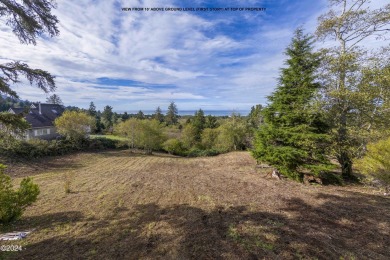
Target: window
(42, 132)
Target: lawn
(133, 206)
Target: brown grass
(132, 206)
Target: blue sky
(140, 60)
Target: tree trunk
(346, 165)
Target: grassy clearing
(128, 205)
(111, 137)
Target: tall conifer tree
(293, 137)
(172, 114)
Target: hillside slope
(132, 206)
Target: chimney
(40, 111)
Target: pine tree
(199, 122)
(292, 138)
(140, 115)
(171, 117)
(158, 115)
(92, 109)
(125, 116)
(106, 117)
(54, 99)
(211, 122)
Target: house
(41, 117)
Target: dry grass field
(125, 205)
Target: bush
(13, 203)
(174, 146)
(103, 143)
(196, 152)
(75, 125)
(376, 162)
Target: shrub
(14, 202)
(75, 125)
(174, 146)
(376, 162)
(68, 181)
(196, 152)
(209, 137)
(103, 143)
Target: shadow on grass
(340, 227)
(44, 221)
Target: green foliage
(27, 20)
(376, 162)
(255, 116)
(35, 148)
(104, 142)
(92, 110)
(158, 115)
(107, 118)
(75, 125)
(199, 122)
(211, 122)
(174, 146)
(196, 152)
(294, 137)
(172, 114)
(30, 19)
(209, 138)
(140, 115)
(189, 136)
(354, 95)
(232, 134)
(151, 136)
(143, 134)
(8, 102)
(13, 203)
(12, 126)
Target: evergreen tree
(115, 118)
(211, 122)
(27, 19)
(125, 116)
(92, 109)
(99, 124)
(254, 117)
(293, 135)
(171, 117)
(199, 122)
(140, 115)
(54, 99)
(158, 115)
(107, 116)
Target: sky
(138, 60)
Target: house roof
(16, 110)
(41, 115)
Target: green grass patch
(110, 137)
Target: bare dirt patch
(133, 206)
